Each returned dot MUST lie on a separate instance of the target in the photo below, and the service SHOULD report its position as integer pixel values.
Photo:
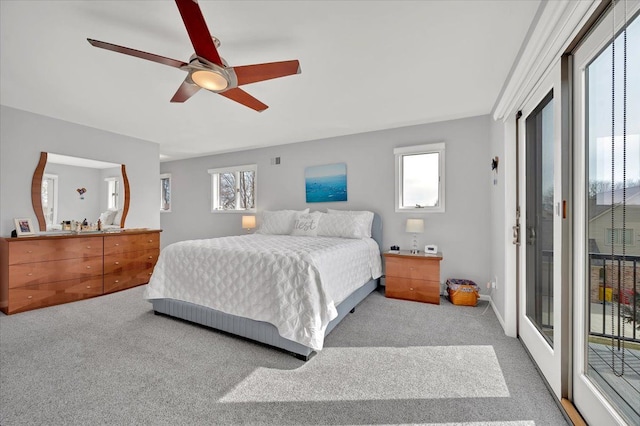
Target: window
(50, 199)
(420, 178)
(233, 188)
(165, 192)
(614, 236)
(112, 193)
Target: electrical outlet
(494, 283)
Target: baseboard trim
(572, 412)
(495, 310)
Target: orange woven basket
(462, 292)
(466, 295)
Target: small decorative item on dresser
(23, 227)
(462, 292)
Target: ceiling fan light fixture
(210, 80)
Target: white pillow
(306, 224)
(117, 218)
(106, 218)
(363, 219)
(338, 225)
(279, 222)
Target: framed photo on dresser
(24, 226)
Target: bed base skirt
(258, 331)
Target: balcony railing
(614, 290)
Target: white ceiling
(366, 65)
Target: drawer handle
(150, 257)
(150, 273)
(30, 274)
(88, 267)
(117, 244)
(150, 241)
(29, 251)
(88, 247)
(411, 288)
(29, 297)
(117, 263)
(88, 286)
(116, 281)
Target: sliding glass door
(606, 371)
(540, 291)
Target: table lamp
(248, 223)
(415, 226)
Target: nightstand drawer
(412, 268)
(418, 290)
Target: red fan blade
(198, 31)
(137, 53)
(244, 98)
(252, 73)
(185, 91)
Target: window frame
(236, 170)
(400, 153)
(164, 176)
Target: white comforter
(292, 282)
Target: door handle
(516, 235)
(531, 239)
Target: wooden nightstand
(413, 276)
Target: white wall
(462, 233)
(500, 226)
(24, 135)
(70, 205)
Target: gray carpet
(109, 360)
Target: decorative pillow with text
(306, 224)
(279, 222)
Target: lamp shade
(248, 222)
(415, 226)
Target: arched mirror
(66, 188)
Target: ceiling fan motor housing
(209, 76)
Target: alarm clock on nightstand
(431, 249)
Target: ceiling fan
(207, 70)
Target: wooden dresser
(413, 276)
(48, 270)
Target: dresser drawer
(58, 270)
(411, 289)
(412, 268)
(114, 244)
(131, 261)
(123, 280)
(54, 249)
(41, 295)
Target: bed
(281, 286)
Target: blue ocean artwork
(326, 183)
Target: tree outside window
(234, 188)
